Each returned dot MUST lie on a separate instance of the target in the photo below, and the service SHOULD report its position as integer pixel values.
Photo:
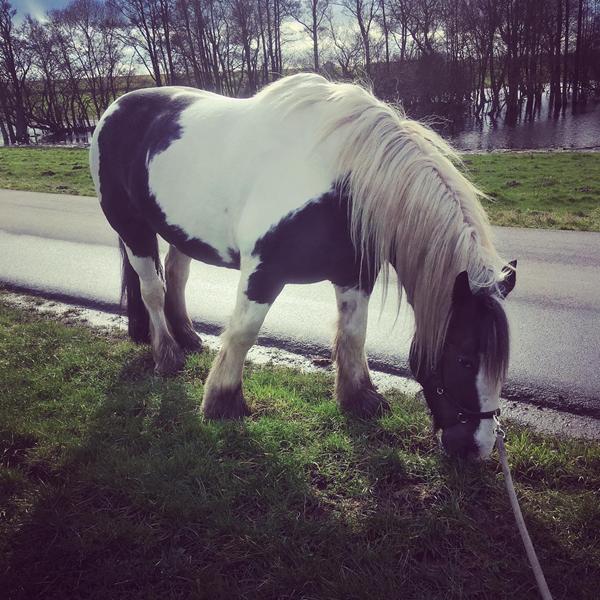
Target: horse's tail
(131, 296)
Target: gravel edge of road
(544, 419)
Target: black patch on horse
(309, 245)
(145, 124)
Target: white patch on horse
(485, 438)
(488, 392)
(353, 306)
(225, 377)
(167, 354)
(189, 181)
(177, 272)
(354, 389)
(153, 291)
(227, 183)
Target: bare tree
(147, 34)
(384, 24)
(364, 12)
(311, 15)
(347, 48)
(60, 73)
(397, 16)
(14, 67)
(89, 32)
(244, 19)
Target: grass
(113, 486)
(558, 190)
(545, 190)
(54, 170)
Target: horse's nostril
(458, 442)
(465, 453)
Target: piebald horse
(307, 181)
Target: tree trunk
(577, 73)
(565, 83)
(315, 34)
(555, 96)
(386, 37)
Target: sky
(36, 8)
(298, 43)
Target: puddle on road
(544, 420)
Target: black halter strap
(463, 415)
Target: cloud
(36, 8)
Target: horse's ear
(462, 289)
(506, 286)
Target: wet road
(62, 246)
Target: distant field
(113, 486)
(553, 190)
(55, 170)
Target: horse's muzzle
(458, 441)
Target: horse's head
(463, 389)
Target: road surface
(61, 246)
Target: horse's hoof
(169, 360)
(188, 339)
(365, 403)
(225, 403)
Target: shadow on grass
(155, 502)
(296, 502)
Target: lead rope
(514, 503)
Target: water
(568, 130)
(75, 138)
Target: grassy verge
(54, 170)
(545, 190)
(112, 486)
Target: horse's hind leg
(177, 271)
(355, 392)
(168, 357)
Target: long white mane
(410, 205)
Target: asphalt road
(61, 246)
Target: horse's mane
(410, 205)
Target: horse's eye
(464, 362)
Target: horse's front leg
(355, 391)
(223, 397)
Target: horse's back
(207, 171)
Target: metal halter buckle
(498, 429)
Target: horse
(308, 180)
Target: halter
(435, 382)
(463, 415)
